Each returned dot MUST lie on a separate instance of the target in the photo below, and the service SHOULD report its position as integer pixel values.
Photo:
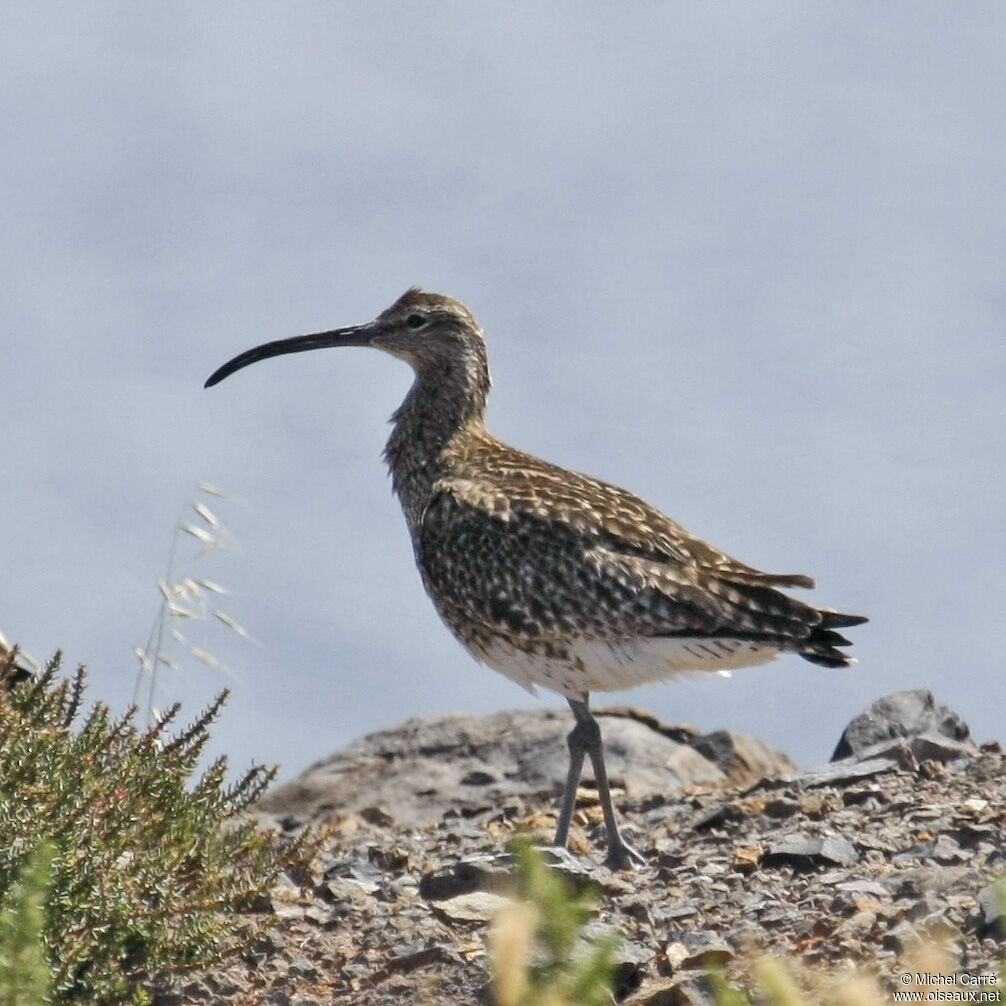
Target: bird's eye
(415, 321)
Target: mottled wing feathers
(526, 576)
(532, 551)
(505, 481)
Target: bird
(546, 575)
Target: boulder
(413, 774)
(910, 714)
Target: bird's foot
(621, 856)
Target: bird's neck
(432, 415)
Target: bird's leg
(577, 743)
(621, 855)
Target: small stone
(836, 773)
(450, 881)
(903, 938)
(286, 910)
(680, 912)
(478, 777)
(896, 749)
(327, 917)
(378, 816)
(947, 850)
(780, 808)
(358, 875)
(478, 906)
(676, 954)
(708, 955)
(716, 816)
(407, 957)
(812, 852)
(864, 887)
(265, 946)
(932, 747)
(922, 850)
(929, 905)
(991, 910)
(301, 967)
(872, 795)
(747, 858)
(688, 989)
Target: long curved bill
(355, 335)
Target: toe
(622, 856)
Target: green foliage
(24, 970)
(153, 872)
(539, 955)
(725, 993)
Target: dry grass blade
(185, 597)
(207, 514)
(231, 624)
(511, 942)
(197, 532)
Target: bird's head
(437, 335)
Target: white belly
(592, 665)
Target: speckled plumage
(554, 578)
(547, 575)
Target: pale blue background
(746, 259)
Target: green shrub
(153, 872)
(24, 970)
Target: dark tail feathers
(821, 645)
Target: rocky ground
(849, 862)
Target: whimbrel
(548, 576)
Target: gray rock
(706, 953)
(492, 872)
(991, 911)
(870, 887)
(811, 852)
(399, 911)
(934, 747)
(896, 749)
(679, 912)
(901, 714)
(740, 758)
(690, 988)
(477, 906)
(469, 763)
(903, 938)
(837, 773)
